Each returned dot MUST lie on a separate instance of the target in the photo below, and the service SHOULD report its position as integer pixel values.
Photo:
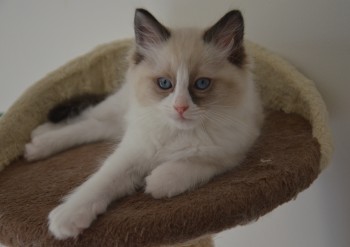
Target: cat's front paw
(165, 182)
(65, 223)
(68, 220)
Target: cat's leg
(104, 121)
(175, 177)
(120, 175)
(46, 127)
(56, 138)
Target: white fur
(160, 150)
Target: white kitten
(188, 110)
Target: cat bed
(294, 147)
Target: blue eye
(164, 83)
(202, 83)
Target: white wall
(37, 36)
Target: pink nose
(181, 109)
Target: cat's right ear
(148, 31)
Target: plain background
(37, 36)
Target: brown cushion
(284, 161)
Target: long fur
(163, 149)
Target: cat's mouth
(183, 122)
(182, 117)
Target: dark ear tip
(148, 28)
(140, 11)
(141, 14)
(235, 14)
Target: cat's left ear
(227, 35)
(148, 31)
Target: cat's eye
(202, 83)
(164, 83)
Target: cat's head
(190, 76)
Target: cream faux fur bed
(100, 71)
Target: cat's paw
(37, 149)
(68, 220)
(164, 182)
(31, 152)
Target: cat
(187, 111)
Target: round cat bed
(294, 146)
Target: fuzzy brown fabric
(284, 161)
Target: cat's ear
(227, 35)
(148, 31)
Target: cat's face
(190, 76)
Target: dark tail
(73, 107)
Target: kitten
(188, 110)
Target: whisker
(226, 117)
(218, 106)
(204, 128)
(220, 117)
